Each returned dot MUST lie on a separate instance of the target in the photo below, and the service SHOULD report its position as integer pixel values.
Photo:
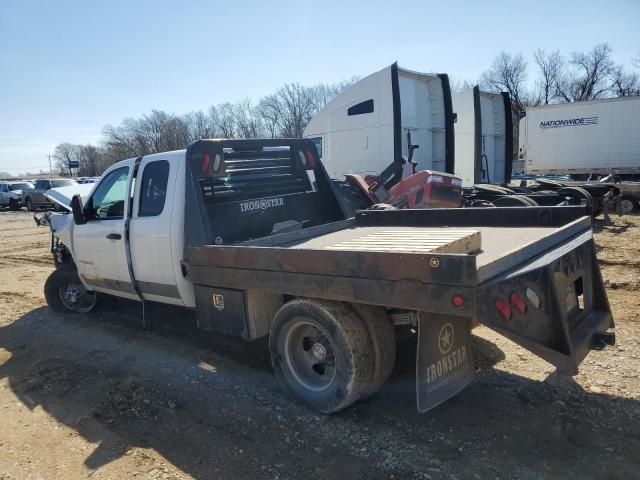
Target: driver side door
(99, 244)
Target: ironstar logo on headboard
(569, 122)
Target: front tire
(65, 293)
(321, 353)
(13, 205)
(30, 206)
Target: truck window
(317, 141)
(153, 188)
(361, 108)
(107, 202)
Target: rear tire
(321, 353)
(65, 293)
(383, 346)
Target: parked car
(35, 198)
(11, 193)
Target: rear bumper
(571, 313)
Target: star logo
(445, 338)
(434, 262)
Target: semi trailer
(252, 236)
(583, 139)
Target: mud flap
(444, 364)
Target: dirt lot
(98, 397)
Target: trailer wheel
(514, 201)
(628, 205)
(65, 293)
(383, 346)
(321, 353)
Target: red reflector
(310, 161)
(518, 303)
(206, 159)
(457, 300)
(503, 307)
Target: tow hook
(603, 339)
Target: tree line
(285, 113)
(580, 76)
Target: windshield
(62, 183)
(20, 186)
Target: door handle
(114, 236)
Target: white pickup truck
(251, 234)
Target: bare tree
(458, 85)
(508, 73)
(591, 76)
(64, 154)
(624, 83)
(247, 118)
(551, 67)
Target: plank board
(413, 241)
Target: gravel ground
(95, 396)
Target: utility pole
(50, 170)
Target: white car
(11, 193)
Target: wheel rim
(76, 298)
(626, 205)
(309, 355)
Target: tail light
(458, 301)
(503, 308)
(533, 298)
(206, 160)
(518, 303)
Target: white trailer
(368, 127)
(596, 137)
(483, 136)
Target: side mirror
(76, 208)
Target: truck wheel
(627, 205)
(65, 292)
(13, 205)
(578, 193)
(321, 352)
(383, 346)
(30, 206)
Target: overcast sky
(67, 68)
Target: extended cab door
(150, 229)
(98, 245)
